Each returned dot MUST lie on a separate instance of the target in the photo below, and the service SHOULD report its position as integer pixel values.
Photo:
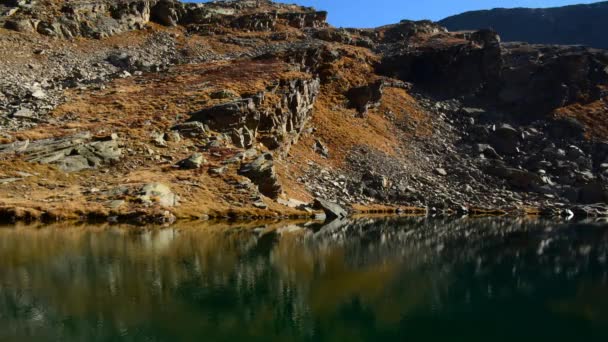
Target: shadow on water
(361, 280)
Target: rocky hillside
(156, 110)
(573, 25)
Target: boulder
(521, 179)
(167, 12)
(158, 193)
(70, 154)
(505, 139)
(193, 162)
(375, 181)
(487, 151)
(332, 210)
(192, 129)
(365, 97)
(262, 173)
(321, 148)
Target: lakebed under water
(362, 280)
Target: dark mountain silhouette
(576, 24)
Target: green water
(368, 280)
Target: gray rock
(488, 151)
(332, 210)
(167, 12)
(505, 139)
(217, 171)
(262, 173)
(191, 129)
(574, 153)
(366, 97)
(9, 180)
(521, 179)
(158, 139)
(71, 154)
(24, 113)
(441, 172)
(158, 193)
(195, 161)
(321, 148)
(260, 205)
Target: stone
(24, 113)
(223, 94)
(158, 193)
(441, 172)
(521, 179)
(574, 153)
(321, 148)
(375, 181)
(332, 211)
(193, 162)
(505, 139)
(167, 12)
(487, 151)
(71, 154)
(158, 139)
(217, 171)
(173, 136)
(262, 173)
(192, 129)
(9, 180)
(260, 205)
(292, 203)
(365, 97)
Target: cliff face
(577, 24)
(156, 109)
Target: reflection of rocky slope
(577, 24)
(302, 277)
(256, 108)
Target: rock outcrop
(275, 117)
(533, 79)
(104, 18)
(453, 67)
(70, 154)
(262, 173)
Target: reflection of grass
(212, 283)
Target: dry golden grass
(593, 115)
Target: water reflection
(358, 280)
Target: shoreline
(162, 216)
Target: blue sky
(373, 13)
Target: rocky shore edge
(320, 210)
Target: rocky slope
(576, 24)
(152, 110)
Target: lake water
(366, 280)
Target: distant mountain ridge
(585, 24)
